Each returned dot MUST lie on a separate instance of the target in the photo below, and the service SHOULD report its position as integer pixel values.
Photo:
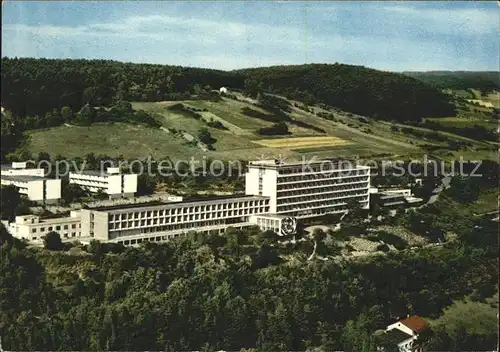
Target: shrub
(383, 247)
(392, 239)
(279, 128)
(52, 241)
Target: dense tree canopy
(357, 89)
(210, 292)
(35, 86)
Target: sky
(392, 36)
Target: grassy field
(486, 104)
(491, 99)
(488, 201)
(230, 111)
(112, 139)
(302, 142)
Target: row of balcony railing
(322, 183)
(308, 192)
(150, 214)
(287, 208)
(314, 178)
(323, 197)
(185, 219)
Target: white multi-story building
(32, 228)
(31, 182)
(158, 222)
(111, 182)
(312, 189)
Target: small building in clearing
(404, 335)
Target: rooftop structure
(21, 169)
(394, 197)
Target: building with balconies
(132, 224)
(31, 182)
(112, 182)
(309, 189)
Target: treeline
(196, 114)
(33, 87)
(486, 81)
(364, 91)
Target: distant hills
(484, 81)
(35, 86)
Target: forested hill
(485, 81)
(36, 86)
(378, 94)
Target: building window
(33, 230)
(50, 228)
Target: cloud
(463, 21)
(216, 43)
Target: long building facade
(309, 190)
(164, 221)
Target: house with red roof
(403, 334)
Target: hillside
(240, 138)
(307, 111)
(378, 94)
(312, 131)
(36, 86)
